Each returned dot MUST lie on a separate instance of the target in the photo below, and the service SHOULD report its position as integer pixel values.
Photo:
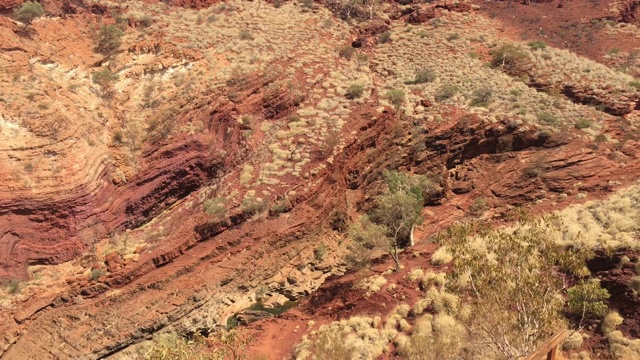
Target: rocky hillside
(167, 166)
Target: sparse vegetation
(28, 12)
(390, 224)
(109, 39)
(512, 277)
(12, 286)
(452, 37)
(216, 207)
(583, 124)
(385, 37)
(537, 45)
(587, 299)
(347, 52)
(96, 274)
(508, 56)
(145, 20)
(362, 60)
(320, 252)
(482, 96)
(424, 76)
(447, 91)
(547, 118)
(478, 207)
(105, 79)
(246, 35)
(355, 91)
(253, 205)
(396, 97)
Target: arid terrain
(200, 179)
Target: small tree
(28, 12)
(109, 39)
(104, 78)
(514, 281)
(396, 97)
(587, 300)
(354, 91)
(390, 224)
(424, 76)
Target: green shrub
(109, 39)
(533, 171)
(96, 274)
(347, 52)
(104, 78)
(12, 286)
(307, 4)
(385, 37)
(145, 20)
(583, 124)
(588, 299)
(547, 118)
(478, 207)
(424, 76)
(320, 252)
(28, 12)
(537, 45)
(509, 56)
(482, 96)
(396, 97)
(362, 60)
(246, 35)
(355, 91)
(253, 206)
(216, 207)
(447, 91)
(454, 36)
(635, 84)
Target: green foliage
(12, 286)
(170, 346)
(385, 37)
(145, 20)
(508, 56)
(424, 76)
(634, 84)
(362, 60)
(367, 238)
(28, 12)
(320, 252)
(347, 52)
(216, 207)
(355, 91)
(246, 35)
(109, 39)
(454, 36)
(396, 97)
(253, 206)
(547, 118)
(537, 45)
(392, 220)
(583, 124)
(512, 276)
(446, 91)
(478, 207)
(482, 96)
(96, 274)
(104, 78)
(588, 299)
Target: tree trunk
(396, 259)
